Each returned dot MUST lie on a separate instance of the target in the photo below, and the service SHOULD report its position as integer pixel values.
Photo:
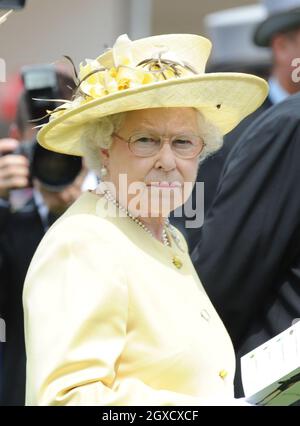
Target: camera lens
(54, 170)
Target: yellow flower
(123, 75)
(123, 84)
(94, 85)
(110, 84)
(113, 72)
(134, 75)
(97, 90)
(148, 78)
(91, 64)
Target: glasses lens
(187, 146)
(144, 145)
(184, 146)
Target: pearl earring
(103, 171)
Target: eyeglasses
(184, 146)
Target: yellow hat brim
(224, 98)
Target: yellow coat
(111, 320)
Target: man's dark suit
(20, 233)
(248, 256)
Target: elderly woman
(114, 311)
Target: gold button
(177, 262)
(223, 374)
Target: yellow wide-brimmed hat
(154, 72)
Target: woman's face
(155, 185)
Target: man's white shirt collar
(276, 93)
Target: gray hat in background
(282, 16)
(231, 32)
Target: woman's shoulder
(82, 218)
(79, 236)
(79, 228)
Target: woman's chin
(160, 204)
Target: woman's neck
(154, 224)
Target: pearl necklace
(108, 195)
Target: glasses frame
(169, 139)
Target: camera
(55, 171)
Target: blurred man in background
(21, 229)
(281, 31)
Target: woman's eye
(182, 142)
(145, 139)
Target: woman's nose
(165, 157)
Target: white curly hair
(98, 134)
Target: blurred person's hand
(58, 202)
(14, 169)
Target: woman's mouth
(165, 184)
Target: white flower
(122, 51)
